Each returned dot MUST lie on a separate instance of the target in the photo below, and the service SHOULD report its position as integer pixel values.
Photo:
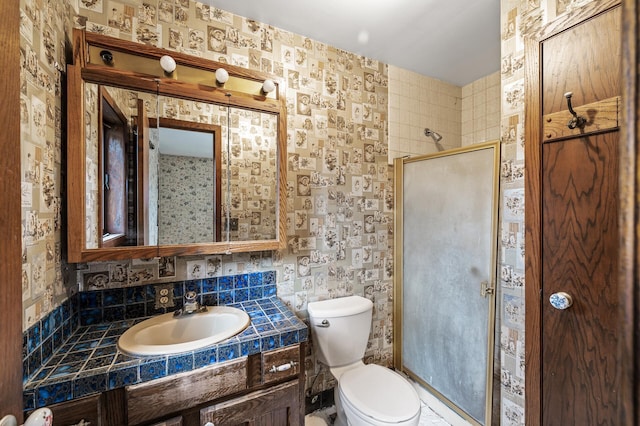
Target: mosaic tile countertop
(90, 362)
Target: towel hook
(577, 120)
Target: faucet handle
(190, 302)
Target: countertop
(90, 362)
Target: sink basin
(166, 334)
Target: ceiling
(457, 41)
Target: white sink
(166, 334)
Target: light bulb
(268, 86)
(222, 75)
(168, 64)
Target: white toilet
(366, 394)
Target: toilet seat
(379, 394)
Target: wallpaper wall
(339, 199)
(186, 209)
(43, 26)
(518, 19)
(337, 116)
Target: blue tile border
(87, 308)
(89, 362)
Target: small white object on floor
(313, 420)
(320, 417)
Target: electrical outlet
(164, 296)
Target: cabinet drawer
(280, 364)
(185, 390)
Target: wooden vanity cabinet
(262, 389)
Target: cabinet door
(175, 421)
(277, 406)
(83, 411)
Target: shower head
(435, 135)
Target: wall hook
(577, 120)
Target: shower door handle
(486, 289)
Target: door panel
(584, 60)
(579, 257)
(571, 215)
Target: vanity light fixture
(222, 76)
(268, 86)
(168, 64)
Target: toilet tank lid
(342, 306)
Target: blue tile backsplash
(72, 351)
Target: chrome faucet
(191, 305)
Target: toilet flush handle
(323, 324)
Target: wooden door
(10, 245)
(572, 222)
(629, 343)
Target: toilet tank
(340, 329)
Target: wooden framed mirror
(164, 164)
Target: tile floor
(427, 417)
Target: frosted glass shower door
(445, 274)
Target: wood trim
(132, 80)
(76, 153)
(629, 277)
(533, 215)
(568, 20)
(10, 215)
(216, 132)
(185, 390)
(600, 116)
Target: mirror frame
(194, 79)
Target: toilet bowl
(370, 394)
(375, 395)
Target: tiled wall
(481, 110)
(98, 306)
(417, 102)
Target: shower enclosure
(446, 239)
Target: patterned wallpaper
(339, 195)
(339, 200)
(185, 208)
(518, 18)
(45, 281)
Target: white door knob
(561, 300)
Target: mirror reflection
(166, 171)
(189, 196)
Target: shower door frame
(399, 164)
